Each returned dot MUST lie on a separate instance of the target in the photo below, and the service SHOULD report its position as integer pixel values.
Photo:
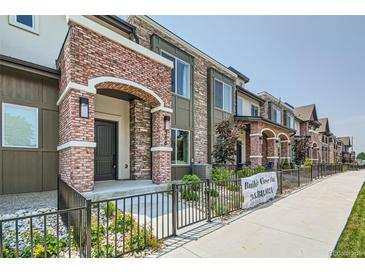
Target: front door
(106, 150)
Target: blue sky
(302, 59)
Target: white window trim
(258, 109)
(223, 84)
(243, 102)
(281, 113)
(3, 125)
(188, 163)
(289, 115)
(34, 29)
(189, 74)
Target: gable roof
(324, 127)
(306, 113)
(345, 140)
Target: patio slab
(121, 188)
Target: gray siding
(183, 114)
(27, 170)
(216, 115)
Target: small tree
(299, 150)
(361, 156)
(225, 149)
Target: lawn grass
(352, 240)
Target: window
(180, 147)
(26, 22)
(290, 120)
(223, 96)
(240, 102)
(19, 126)
(297, 128)
(275, 114)
(180, 76)
(254, 110)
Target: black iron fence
(120, 226)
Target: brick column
(256, 149)
(76, 141)
(272, 153)
(161, 148)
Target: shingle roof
(324, 127)
(345, 140)
(304, 113)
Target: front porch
(121, 188)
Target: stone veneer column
(161, 148)
(76, 141)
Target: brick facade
(87, 55)
(200, 88)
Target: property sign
(259, 188)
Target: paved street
(307, 223)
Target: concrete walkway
(307, 223)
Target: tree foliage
(300, 149)
(224, 151)
(361, 156)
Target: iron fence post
(88, 229)
(174, 210)
(311, 173)
(209, 218)
(280, 176)
(1, 239)
(298, 176)
(58, 192)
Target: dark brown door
(106, 150)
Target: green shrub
(213, 193)
(193, 181)
(109, 209)
(220, 175)
(189, 195)
(123, 223)
(307, 163)
(233, 187)
(247, 171)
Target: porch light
(84, 107)
(167, 122)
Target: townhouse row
(98, 98)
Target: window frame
(175, 82)
(3, 105)
(288, 117)
(276, 108)
(175, 156)
(231, 104)
(242, 105)
(258, 109)
(34, 29)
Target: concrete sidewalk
(307, 223)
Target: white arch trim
(268, 129)
(102, 79)
(284, 134)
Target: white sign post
(259, 188)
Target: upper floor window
(290, 120)
(254, 110)
(26, 22)
(297, 128)
(19, 126)
(223, 96)
(276, 114)
(180, 75)
(240, 106)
